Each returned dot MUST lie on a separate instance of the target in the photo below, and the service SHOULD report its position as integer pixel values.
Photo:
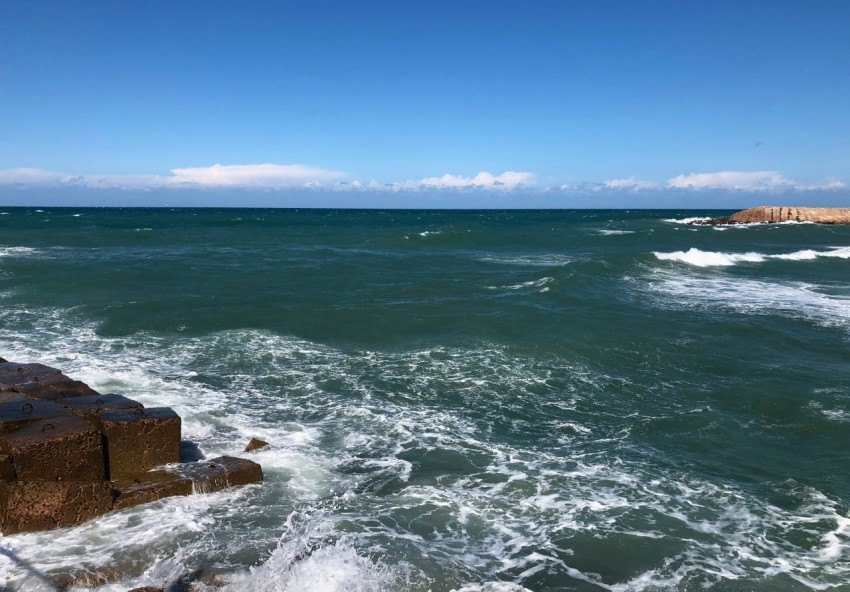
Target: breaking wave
(700, 258)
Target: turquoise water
(457, 400)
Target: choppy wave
(700, 258)
(545, 260)
(18, 251)
(384, 471)
(610, 232)
(690, 220)
(534, 284)
(749, 296)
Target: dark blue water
(456, 400)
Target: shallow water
(476, 401)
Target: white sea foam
(700, 258)
(690, 220)
(427, 233)
(610, 232)
(18, 251)
(540, 284)
(546, 260)
(345, 505)
(747, 296)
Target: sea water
(480, 401)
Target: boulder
(56, 449)
(138, 440)
(27, 506)
(256, 444)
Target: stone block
(56, 449)
(7, 469)
(41, 382)
(220, 473)
(16, 414)
(149, 487)
(27, 506)
(138, 440)
(91, 407)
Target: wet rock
(91, 407)
(56, 449)
(138, 440)
(27, 506)
(7, 469)
(17, 414)
(9, 394)
(190, 452)
(149, 487)
(41, 382)
(148, 589)
(3, 360)
(219, 473)
(256, 444)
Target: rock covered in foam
(774, 214)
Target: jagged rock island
(69, 454)
(773, 214)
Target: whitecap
(540, 283)
(700, 258)
(610, 232)
(690, 220)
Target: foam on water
(750, 296)
(610, 232)
(18, 251)
(546, 260)
(349, 502)
(535, 284)
(690, 220)
(700, 258)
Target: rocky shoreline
(776, 214)
(69, 454)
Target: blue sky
(457, 103)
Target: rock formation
(773, 214)
(69, 454)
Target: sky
(461, 103)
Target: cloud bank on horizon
(269, 176)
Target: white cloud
(273, 176)
(733, 180)
(630, 183)
(483, 180)
(254, 175)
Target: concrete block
(149, 487)
(16, 414)
(91, 407)
(220, 473)
(56, 449)
(27, 506)
(7, 469)
(41, 382)
(138, 440)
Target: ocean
(478, 401)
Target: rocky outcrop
(773, 214)
(69, 454)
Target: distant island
(774, 214)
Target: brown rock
(138, 440)
(256, 444)
(41, 382)
(16, 414)
(149, 487)
(27, 506)
(91, 407)
(7, 469)
(220, 473)
(56, 449)
(773, 214)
